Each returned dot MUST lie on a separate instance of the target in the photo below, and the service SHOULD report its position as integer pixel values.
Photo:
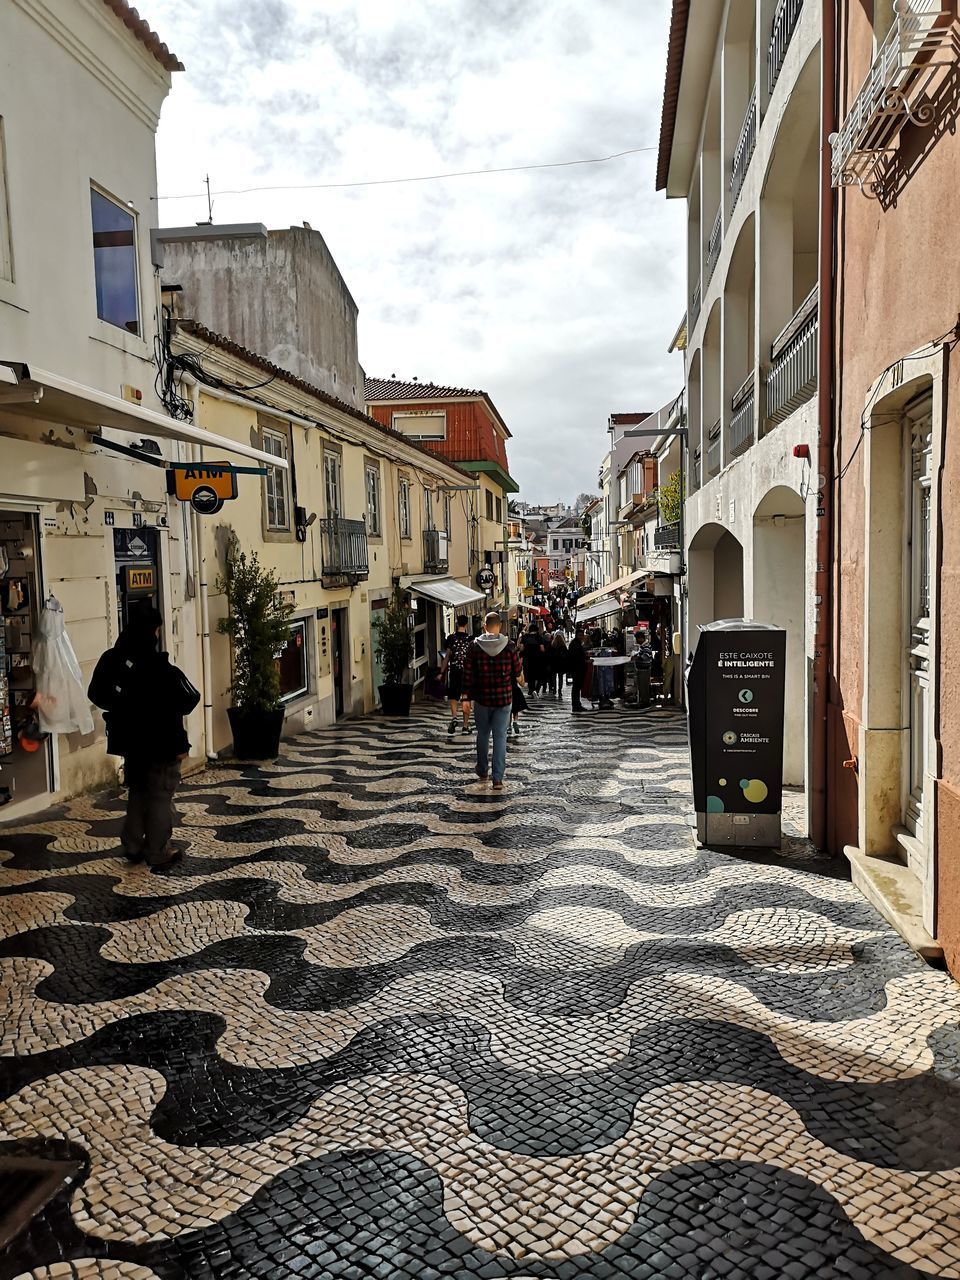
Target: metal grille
(694, 307)
(785, 20)
(713, 244)
(743, 421)
(343, 548)
(746, 144)
(713, 450)
(435, 551)
(792, 379)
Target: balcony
(742, 153)
(921, 43)
(695, 470)
(435, 556)
(713, 244)
(343, 548)
(785, 20)
(694, 308)
(667, 537)
(744, 419)
(713, 450)
(792, 379)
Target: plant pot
(395, 699)
(256, 734)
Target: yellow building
(359, 511)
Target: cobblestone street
(382, 1022)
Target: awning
(612, 587)
(601, 610)
(443, 590)
(35, 393)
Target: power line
(426, 177)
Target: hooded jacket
(144, 698)
(492, 667)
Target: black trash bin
(735, 693)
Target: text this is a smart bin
(735, 691)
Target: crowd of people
(489, 676)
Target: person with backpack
(144, 698)
(492, 668)
(455, 654)
(557, 663)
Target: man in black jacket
(577, 666)
(144, 698)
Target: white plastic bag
(61, 699)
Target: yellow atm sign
(140, 578)
(218, 476)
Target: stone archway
(779, 596)
(715, 576)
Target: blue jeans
(496, 719)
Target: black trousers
(151, 814)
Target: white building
(740, 143)
(81, 88)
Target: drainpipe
(822, 663)
(206, 665)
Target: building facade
(466, 428)
(894, 732)
(740, 143)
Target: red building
(465, 427)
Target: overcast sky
(556, 291)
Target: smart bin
(735, 693)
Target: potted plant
(394, 651)
(257, 626)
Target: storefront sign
(486, 579)
(205, 486)
(140, 577)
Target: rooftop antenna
(209, 221)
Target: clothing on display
(62, 704)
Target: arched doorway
(779, 552)
(715, 577)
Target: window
(292, 663)
(447, 516)
(276, 482)
(115, 262)
(499, 511)
(331, 484)
(6, 246)
(404, 508)
(372, 476)
(421, 426)
(489, 509)
(428, 509)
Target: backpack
(459, 644)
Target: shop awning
(603, 609)
(443, 590)
(612, 587)
(35, 393)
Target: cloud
(558, 291)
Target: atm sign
(140, 578)
(217, 477)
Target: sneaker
(171, 856)
(465, 729)
(481, 776)
(451, 728)
(516, 727)
(498, 786)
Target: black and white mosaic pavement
(383, 1023)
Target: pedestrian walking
(534, 658)
(144, 698)
(491, 669)
(557, 662)
(577, 666)
(519, 705)
(451, 671)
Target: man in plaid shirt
(491, 669)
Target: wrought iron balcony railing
(922, 40)
(343, 548)
(435, 555)
(666, 537)
(714, 243)
(785, 19)
(746, 145)
(744, 417)
(695, 307)
(792, 378)
(695, 470)
(713, 450)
